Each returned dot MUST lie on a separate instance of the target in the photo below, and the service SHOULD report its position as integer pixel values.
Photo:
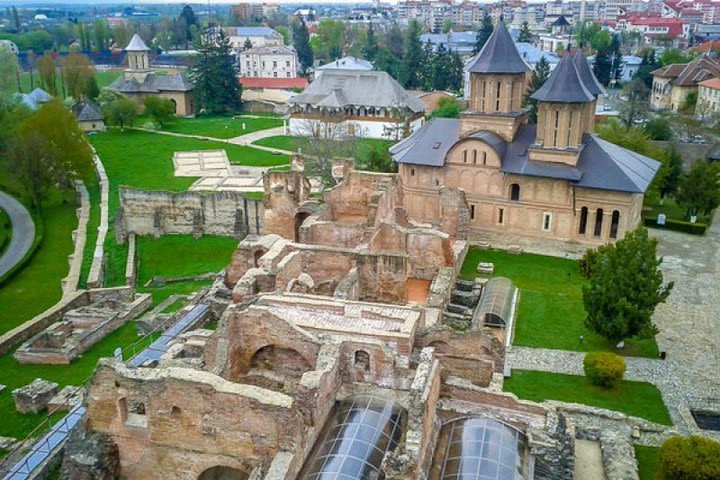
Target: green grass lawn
(93, 187)
(287, 142)
(647, 459)
(15, 375)
(175, 306)
(37, 286)
(222, 126)
(5, 230)
(672, 210)
(104, 78)
(551, 313)
(179, 256)
(638, 399)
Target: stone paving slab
(201, 163)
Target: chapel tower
(138, 59)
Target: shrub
(691, 458)
(590, 259)
(678, 225)
(604, 369)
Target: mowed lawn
(648, 461)
(638, 399)
(293, 144)
(37, 286)
(14, 375)
(173, 256)
(551, 313)
(222, 126)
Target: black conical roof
(586, 75)
(499, 55)
(564, 85)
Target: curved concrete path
(23, 232)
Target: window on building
(287, 63)
(484, 158)
(547, 220)
(288, 74)
(570, 125)
(465, 156)
(472, 212)
(598, 222)
(583, 220)
(474, 156)
(501, 215)
(497, 98)
(614, 224)
(263, 64)
(515, 192)
(412, 172)
(557, 128)
(275, 74)
(274, 64)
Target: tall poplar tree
(371, 46)
(301, 41)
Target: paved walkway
(23, 232)
(688, 324)
(249, 138)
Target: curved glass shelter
(496, 303)
(480, 449)
(360, 431)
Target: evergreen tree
(16, 18)
(455, 73)
(385, 61)
(371, 45)
(428, 67)
(625, 285)
(673, 170)
(602, 66)
(412, 62)
(441, 78)
(301, 41)
(216, 88)
(525, 36)
(247, 45)
(647, 65)
(616, 68)
(486, 29)
(699, 189)
(539, 76)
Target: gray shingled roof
(586, 75)
(87, 111)
(136, 45)
(340, 88)
(499, 55)
(564, 85)
(602, 165)
(152, 84)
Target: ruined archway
(277, 368)
(223, 473)
(299, 219)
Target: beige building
(138, 81)
(673, 83)
(555, 180)
(708, 102)
(268, 62)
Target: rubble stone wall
(192, 213)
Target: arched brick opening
(440, 346)
(223, 473)
(299, 219)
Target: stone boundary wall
(158, 212)
(95, 277)
(131, 264)
(70, 282)
(21, 333)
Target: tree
(455, 74)
(327, 140)
(84, 38)
(187, 17)
(624, 288)
(412, 62)
(49, 150)
(673, 170)
(301, 41)
(616, 66)
(428, 66)
(47, 71)
(8, 72)
(376, 159)
(602, 66)
(441, 77)
(329, 43)
(659, 128)
(387, 62)
(283, 30)
(486, 29)
(447, 107)
(674, 55)
(394, 41)
(107, 96)
(16, 18)
(161, 110)
(101, 32)
(699, 189)
(691, 458)
(371, 45)
(77, 72)
(635, 107)
(688, 105)
(247, 45)
(525, 35)
(121, 112)
(539, 76)
(91, 90)
(214, 75)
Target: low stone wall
(79, 235)
(156, 213)
(95, 277)
(131, 263)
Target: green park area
(638, 399)
(222, 126)
(293, 144)
(551, 313)
(648, 461)
(103, 78)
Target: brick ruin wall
(156, 213)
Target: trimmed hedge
(692, 458)
(604, 369)
(677, 225)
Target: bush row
(678, 225)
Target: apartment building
(268, 62)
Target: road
(23, 232)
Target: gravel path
(23, 232)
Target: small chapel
(555, 179)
